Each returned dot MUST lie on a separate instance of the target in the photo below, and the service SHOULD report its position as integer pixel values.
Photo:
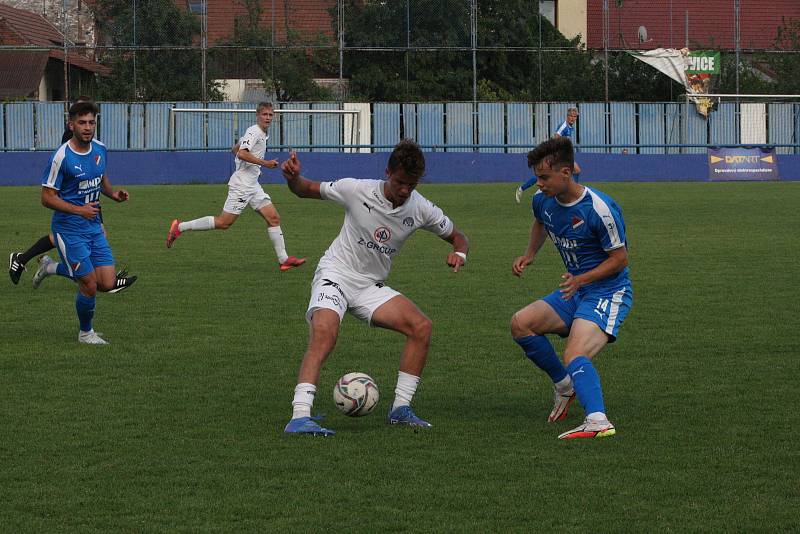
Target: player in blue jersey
(567, 129)
(71, 186)
(43, 245)
(595, 293)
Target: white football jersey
(373, 232)
(255, 141)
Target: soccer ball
(355, 394)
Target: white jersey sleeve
(249, 139)
(341, 191)
(433, 219)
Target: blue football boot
(307, 425)
(404, 415)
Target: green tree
(151, 75)
(786, 64)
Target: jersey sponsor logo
(89, 184)
(382, 234)
(563, 242)
(372, 245)
(576, 222)
(408, 221)
(369, 208)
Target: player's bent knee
(521, 325)
(422, 328)
(87, 287)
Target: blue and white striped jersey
(77, 177)
(565, 130)
(584, 231)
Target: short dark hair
(82, 108)
(556, 152)
(82, 98)
(262, 105)
(407, 155)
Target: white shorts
(334, 290)
(240, 197)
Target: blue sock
(540, 351)
(85, 307)
(61, 270)
(586, 382)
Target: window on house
(547, 8)
(195, 6)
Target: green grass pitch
(177, 425)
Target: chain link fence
(389, 51)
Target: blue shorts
(82, 253)
(606, 307)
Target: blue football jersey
(77, 177)
(565, 130)
(584, 231)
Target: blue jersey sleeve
(54, 172)
(608, 225)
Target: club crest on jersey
(97, 159)
(576, 222)
(382, 234)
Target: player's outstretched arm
(119, 195)
(458, 257)
(299, 185)
(538, 235)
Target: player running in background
(567, 129)
(379, 216)
(71, 187)
(244, 189)
(595, 294)
(43, 245)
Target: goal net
(294, 127)
(752, 120)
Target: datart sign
(742, 164)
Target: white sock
(203, 223)
(564, 385)
(303, 400)
(406, 387)
(51, 268)
(276, 236)
(597, 417)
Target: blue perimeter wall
(149, 167)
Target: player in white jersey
(244, 190)
(379, 216)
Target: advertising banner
(742, 164)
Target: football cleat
(307, 425)
(561, 402)
(404, 415)
(590, 429)
(123, 281)
(15, 267)
(91, 338)
(174, 232)
(41, 272)
(291, 262)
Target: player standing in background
(379, 216)
(244, 189)
(71, 187)
(595, 295)
(18, 260)
(567, 129)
